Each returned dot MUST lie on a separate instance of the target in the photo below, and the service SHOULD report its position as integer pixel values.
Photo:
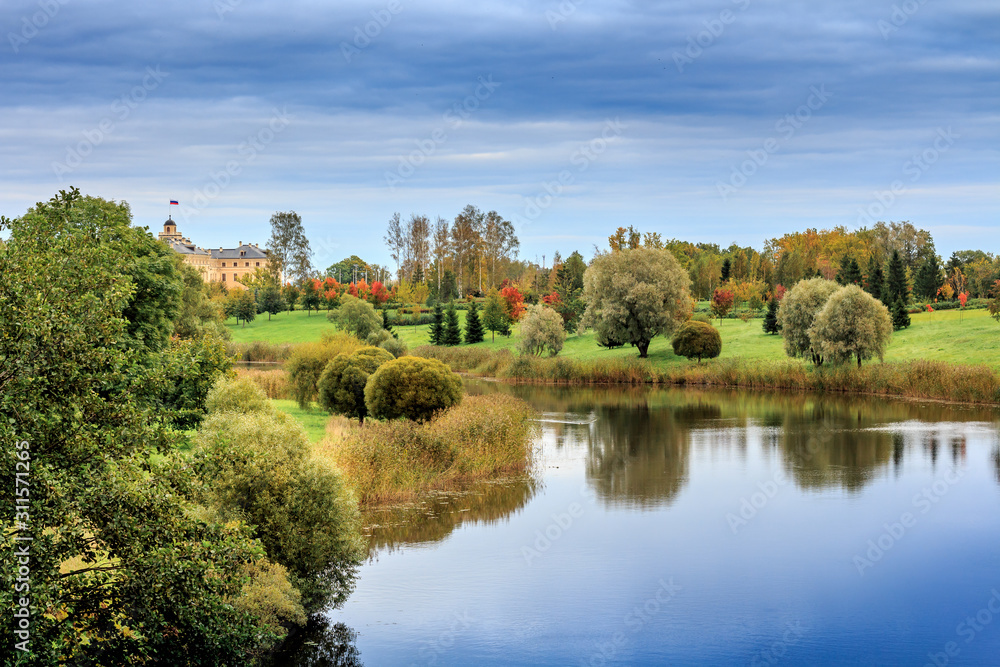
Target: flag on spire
(173, 202)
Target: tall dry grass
(258, 351)
(912, 379)
(274, 381)
(481, 438)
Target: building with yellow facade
(225, 265)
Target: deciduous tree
(797, 313)
(635, 295)
(541, 329)
(852, 323)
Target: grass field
(314, 420)
(972, 337)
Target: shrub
(412, 387)
(395, 347)
(259, 351)
(541, 329)
(258, 469)
(342, 384)
(853, 323)
(697, 340)
(376, 338)
(239, 395)
(308, 361)
(356, 317)
(701, 317)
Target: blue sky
(708, 121)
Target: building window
(258, 263)
(223, 277)
(247, 263)
(223, 265)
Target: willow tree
(852, 323)
(797, 312)
(636, 294)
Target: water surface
(697, 528)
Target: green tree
(900, 318)
(342, 384)
(412, 387)
(473, 325)
(118, 555)
(291, 294)
(850, 272)
(853, 323)
(289, 254)
(452, 334)
(771, 317)
(271, 301)
(797, 312)
(727, 268)
(541, 329)
(928, 278)
(896, 288)
(437, 326)
(258, 468)
(495, 317)
(386, 324)
(311, 297)
(199, 315)
(356, 316)
(697, 340)
(243, 306)
(875, 280)
(636, 294)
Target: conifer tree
(896, 288)
(900, 318)
(473, 325)
(437, 326)
(875, 280)
(727, 267)
(771, 317)
(452, 332)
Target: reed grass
(259, 350)
(483, 437)
(912, 379)
(274, 382)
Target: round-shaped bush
(342, 384)
(697, 340)
(412, 387)
(238, 395)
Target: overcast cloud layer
(710, 121)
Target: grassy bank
(946, 355)
(481, 438)
(911, 379)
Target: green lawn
(314, 420)
(971, 338)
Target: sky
(724, 121)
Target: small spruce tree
(388, 325)
(895, 285)
(771, 317)
(437, 326)
(900, 318)
(473, 325)
(452, 332)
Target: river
(685, 527)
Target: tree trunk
(859, 361)
(643, 349)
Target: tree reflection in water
(319, 644)
(439, 513)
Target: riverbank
(908, 379)
(482, 438)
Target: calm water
(695, 528)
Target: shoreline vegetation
(919, 378)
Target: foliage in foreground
(483, 437)
(258, 468)
(124, 570)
